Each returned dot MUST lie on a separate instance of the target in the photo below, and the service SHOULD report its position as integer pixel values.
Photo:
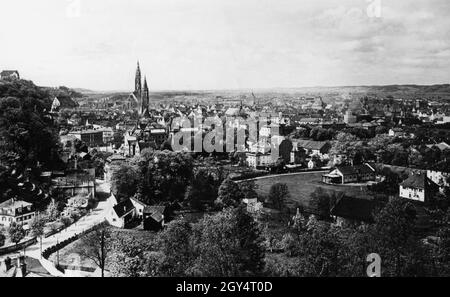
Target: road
(96, 216)
(284, 174)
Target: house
(441, 146)
(253, 205)
(439, 177)
(350, 174)
(312, 148)
(122, 214)
(90, 137)
(417, 187)
(76, 182)
(257, 160)
(309, 121)
(22, 267)
(154, 217)
(349, 118)
(397, 132)
(9, 75)
(353, 210)
(156, 133)
(16, 211)
(139, 207)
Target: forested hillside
(28, 136)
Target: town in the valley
(358, 170)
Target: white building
(439, 178)
(16, 211)
(259, 159)
(120, 213)
(349, 118)
(417, 187)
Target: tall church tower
(138, 82)
(145, 98)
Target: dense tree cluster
(226, 244)
(158, 177)
(316, 248)
(387, 150)
(28, 135)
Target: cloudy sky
(222, 44)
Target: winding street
(94, 217)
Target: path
(96, 216)
(284, 174)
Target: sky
(226, 44)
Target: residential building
(417, 187)
(256, 160)
(350, 174)
(16, 211)
(9, 74)
(349, 118)
(154, 217)
(312, 148)
(91, 137)
(120, 214)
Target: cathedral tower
(145, 98)
(138, 82)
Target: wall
(20, 246)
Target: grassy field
(302, 185)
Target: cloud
(227, 43)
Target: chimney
(21, 267)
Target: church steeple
(138, 82)
(145, 98)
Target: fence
(17, 247)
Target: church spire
(138, 82)
(145, 97)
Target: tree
(52, 212)
(381, 130)
(278, 195)
(248, 189)
(16, 233)
(319, 251)
(345, 145)
(2, 239)
(229, 194)
(125, 182)
(227, 244)
(37, 225)
(174, 243)
(166, 175)
(97, 245)
(201, 190)
(400, 158)
(394, 236)
(130, 256)
(442, 253)
(320, 202)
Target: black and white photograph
(224, 145)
